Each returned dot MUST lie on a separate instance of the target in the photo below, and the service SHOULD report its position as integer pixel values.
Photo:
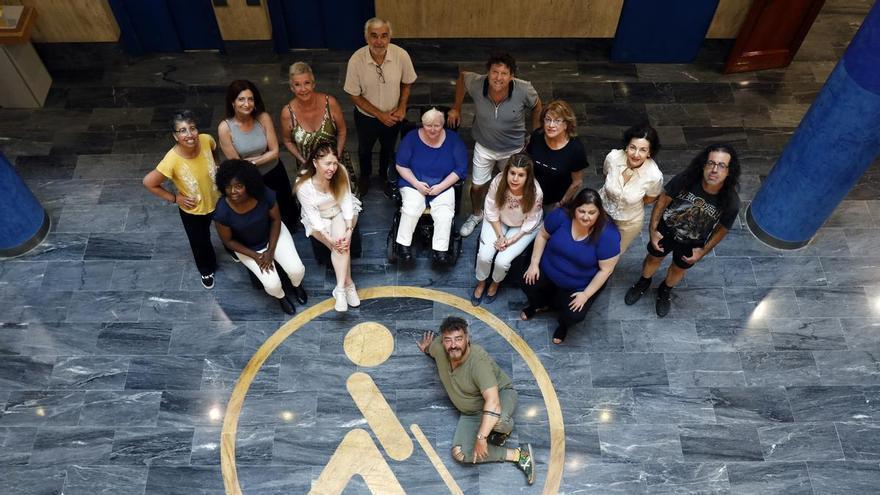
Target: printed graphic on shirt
(691, 217)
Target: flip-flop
(559, 335)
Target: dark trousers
(546, 293)
(198, 231)
(370, 130)
(278, 180)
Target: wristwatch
(480, 436)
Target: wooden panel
(729, 18)
(239, 21)
(64, 21)
(501, 18)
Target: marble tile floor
(116, 366)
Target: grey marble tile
(861, 333)
(686, 477)
(33, 305)
(627, 369)
(174, 305)
(33, 480)
(22, 274)
(200, 338)
(839, 478)
(807, 334)
(860, 442)
(152, 446)
(605, 478)
(746, 302)
(851, 214)
(96, 218)
(184, 480)
(78, 275)
(708, 442)
(639, 443)
(25, 372)
(253, 446)
(55, 193)
(314, 373)
(146, 275)
(660, 335)
(58, 247)
(672, 405)
(686, 302)
(132, 192)
(16, 445)
(748, 334)
(184, 408)
(751, 405)
(769, 477)
(162, 218)
(848, 367)
(67, 445)
(838, 403)
(850, 271)
(134, 338)
(704, 369)
(800, 442)
(89, 373)
(861, 240)
(105, 480)
(310, 446)
(788, 368)
(427, 408)
(165, 373)
(222, 372)
(241, 305)
(120, 408)
(35, 408)
(804, 271)
(127, 246)
(303, 342)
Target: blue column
(23, 223)
(835, 143)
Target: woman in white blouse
(513, 207)
(329, 214)
(632, 180)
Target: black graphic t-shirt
(693, 214)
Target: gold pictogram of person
(368, 345)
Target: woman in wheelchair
(430, 160)
(513, 210)
(248, 222)
(329, 214)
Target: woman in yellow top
(191, 165)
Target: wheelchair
(424, 231)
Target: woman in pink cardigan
(513, 211)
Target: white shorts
(485, 161)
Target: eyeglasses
(380, 73)
(549, 121)
(183, 131)
(711, 165)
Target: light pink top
(511, 212)
(319, 208)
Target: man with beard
(695, 211)
(482, 393)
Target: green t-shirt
(465, 384)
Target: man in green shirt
(482, 393)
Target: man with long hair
(694, 212)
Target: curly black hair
(245, 173)
(452, 324)
(502, 58)
(694, 174)
(644, 131)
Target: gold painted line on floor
(379, 415)
(435, 460)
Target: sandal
(559, 334)
(530, 311)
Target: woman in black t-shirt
(560, 157)
(248, 222)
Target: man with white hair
(378, 79)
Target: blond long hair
(519, 160)
(339, 186)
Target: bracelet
(491, 413)
(480, 436)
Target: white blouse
(625, 202)
(319, 208)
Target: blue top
(432, 165)
(572, 264)
(250, 228)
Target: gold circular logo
(353, 350)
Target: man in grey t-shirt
(501, 102)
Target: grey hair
(432, 115)
(376, 21)
(298, 68)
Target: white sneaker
(341, 304)
(469, 225)
(351, 296)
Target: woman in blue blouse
(573, 257)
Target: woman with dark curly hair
(694, 213)
(249, 223)
(574, 255)
(247, 133)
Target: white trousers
(442, 212)
(286, 256)
(503, 259)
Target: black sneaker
(525, 463)
(636, 291)
(404, 253)
(299, 292)
(663, 303)
(286, 306)
(208, 281)
(497, 438)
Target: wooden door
(771, 34)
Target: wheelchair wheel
(455, 247)
(391, 240)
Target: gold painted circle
(368, 344)
(555, 463)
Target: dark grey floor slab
(180, 480)
(165, 373)
(146, 275)
(704, 369)
(806, 334)
(87, 480)
(26, 372)
(769, 477)
(672, 476)
(184, 408)
(849, 301)
(860, 442)
(214, 337)
(22, 274)
(848, 367)
(751, 405)
(253, 445)
(78, 275)
(804, 271)
(120, 408)
(660, 335)
(68, 445)
(33, 480)
(127, 246)
(16, 444)
(800, 442)
(628, 369)
(152, 446)
(788, 368)
(722, 443)
(843, 477)
(860, 333)
(729, 335)
(89, 373)
(101, 306)
(838, 403)
(639, 443)
(668, 405)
